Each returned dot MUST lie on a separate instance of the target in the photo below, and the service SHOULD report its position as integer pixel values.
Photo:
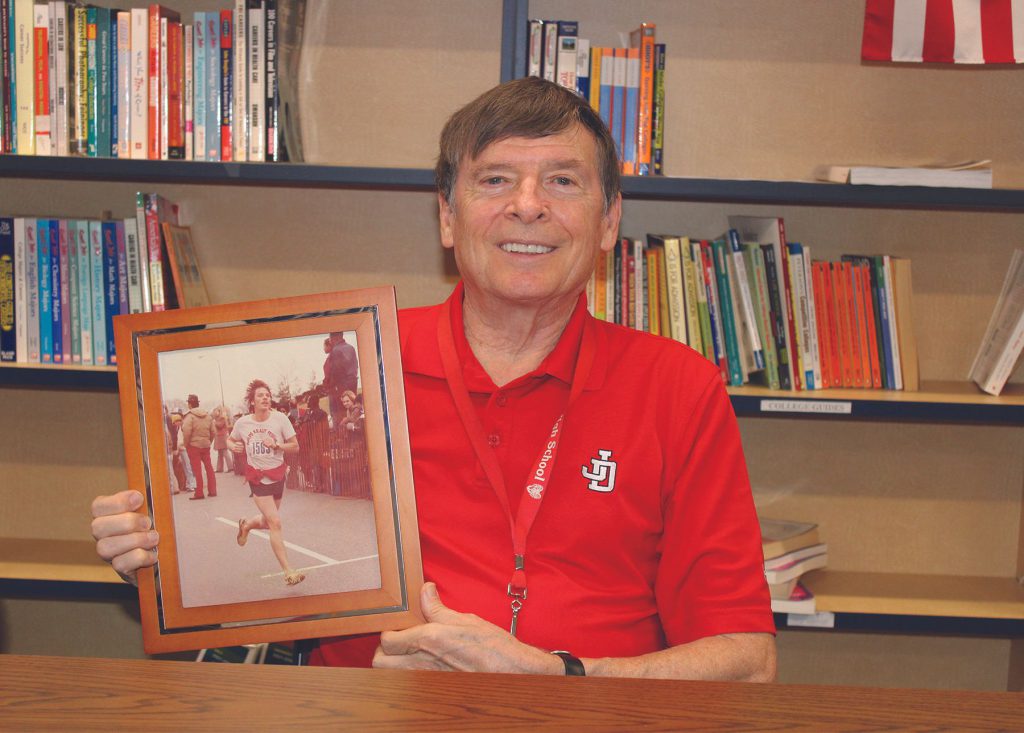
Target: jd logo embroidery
(601, 472)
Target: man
(340, 372)
(622, 529)
(197, 433)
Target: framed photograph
(271, 442)
(188, 279)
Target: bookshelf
(946, 461)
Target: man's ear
(446, 214)
(610, 224)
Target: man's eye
(563, 180)
(494, 180)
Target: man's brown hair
(527, 107)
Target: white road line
(325, 565)
(289, 545)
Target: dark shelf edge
(885, 410)
(646, 188)
(929, 625)
(58, 378)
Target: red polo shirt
(647, 535)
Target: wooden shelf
(54, 376)
(53, 560)
(645, 188)
(905, 594)
(936, 401)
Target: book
(227, 86)
(175, 91)
(69, 240)
(748, 320)
(674, 283)
(158, 18)
(759, 289)
(779, 536)
(41, 77)
(45, 279)
(643, 39)
(101, 92)
(791, 558)
(967, 174)
(82, 236)
(549, 58)
(583, 66)
(658, 112)
(60, 120)
(728, 318)
(800, 600)
(631, 101)
(999, 349)
(188, 279)
(239, 82)
(200, 89)
(20, 288)
(139, 92)
(793, 569)
(97, 297)
(188, 89)
(124, 84)
(565, 60)
(213, 86)
(59, 234)
(8, 287)
(535, 48)
(256, 55)
(23, 33)
(903, 302)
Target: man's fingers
(113, 548)
(123, 501)
(127, 564)
(119, 524)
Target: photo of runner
(292, 514)
(264, 436)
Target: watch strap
(573, 666)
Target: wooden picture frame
(206, 590)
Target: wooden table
(69, 694)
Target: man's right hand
(124, 538)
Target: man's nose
(529, 202)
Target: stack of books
(1004, 338)
(626, 86)
(761, 309)
(141, 83)
(791, 549)
(62, 281)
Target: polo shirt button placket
(501, 400)
(494, 440)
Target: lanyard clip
(518, 595)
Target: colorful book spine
(175, 91)
(213, 89)
(240, 86)
(98, 294)
(85, 307)
(132, 265)
(188, 89)
(69, 241)
(91, 78)
(629, 119)
(45, 279)
(227, 86)
(754, 259)
(59, 234)
(122, 267)
(535, 48)
(273, 99)
(57, 305)
(732, 348)
(104, 77)
(26, 227)
(775, 300)
(746, 299)
(549, 60)
(618, 97)
(144, 268)
(111, 298)
(41, 77)
(199, 85)
(8, 285)
(20, 289)
(714, 313)
(113, 86)
(658, 112)
(643, 39)
(124, 84)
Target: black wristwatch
(573, 666)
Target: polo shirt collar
(422, 353)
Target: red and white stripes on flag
(944, 31)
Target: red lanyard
(543, 467)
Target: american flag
(944, 31)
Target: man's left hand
(459, 642)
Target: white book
(1004, 337)
(164, 97)
(23, 34)
(61, 110)
(240, 86)
(199, 87)
(549, 65)
(257, 80)
(140, 84)
(747, 317)
(798, 283)
(697, 295)
(783, 561)
(796, 568)
(124, 83)
(812, 319)
(897, 367)
(189, 91)
(20, 293)
(566, 67)
(81, 243)
(740, 323)
(535, 53)
(26, 229)
(133, 264)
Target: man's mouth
(525, 248)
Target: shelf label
(813, 406)
(819, 620)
